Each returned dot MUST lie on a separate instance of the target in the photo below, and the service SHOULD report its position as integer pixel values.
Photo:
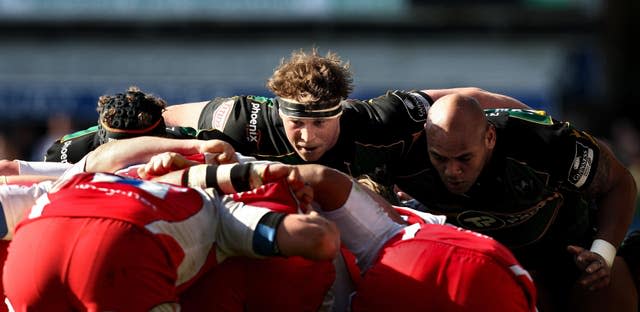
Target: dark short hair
(130, 114)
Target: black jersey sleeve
(72, 147)
(251, 124)
(570, 156)
(391, 116)
(578, 161)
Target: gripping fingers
(305, 197)
(154, 166)
(598, 276)
(227, 157)
(597, 273)
(163, 163)
(226, 152)
(273, 172)
(295, 179)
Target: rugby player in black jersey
(555, 195)
(122, 115)
(310, 121)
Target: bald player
(554, 194)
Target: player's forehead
(458, 148)
(454, 155)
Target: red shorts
(3, 255)
(444, 268)
(92, 264)
(273, 284)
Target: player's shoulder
(529, 116)
(89, 132)
(181, 132)
(224, 108)
(243, 100)
(413, 104)
(72, 147)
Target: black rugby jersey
(375, 135)
(72, 147)
(530, 190)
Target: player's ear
(490, 136)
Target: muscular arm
(116, 155)
(9, 167)
(331, 189)
(27, 179)
(615, 192)
(308, 235)
(365, 220)
(487, 99)
(184, 115)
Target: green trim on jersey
(79, 133)
(261, 99)
(530, 115)
(187, 131)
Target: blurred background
(572, 58)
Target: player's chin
(457, 188)
(309, 155)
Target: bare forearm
(20, 179)
(615, 191)
(333, 188)
(309, 236)
(485, 98)
(116, 155)
(9, 167)
(185, 115)
(173, 177)
(616, 209)
(330, 186)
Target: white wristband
(605, 249)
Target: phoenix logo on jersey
(63, 152)
(253, 133)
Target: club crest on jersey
(480, 220)
(581, 166)
(415, 104)
(253, 133)
(221, 115)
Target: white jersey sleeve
(236, 228)
(364, 225)
(15, 202)
(54, 169)
(74, 169)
